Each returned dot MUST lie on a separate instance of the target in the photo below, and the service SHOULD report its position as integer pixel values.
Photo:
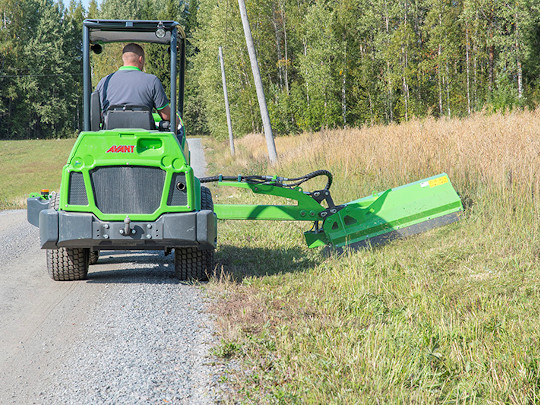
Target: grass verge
(449, 316)
(29, 166)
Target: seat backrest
(127, 116)
(95, 111)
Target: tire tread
(66, 264)
(93, 257)
(191, 263)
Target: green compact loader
(128, 185)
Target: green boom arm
(306, 210)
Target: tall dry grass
(501, 151)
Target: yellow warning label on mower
(438, 181)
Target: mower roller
(128, 185)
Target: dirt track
(129, 334)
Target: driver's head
(133, 55)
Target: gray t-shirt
(130, 86)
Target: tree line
(324, 63)
(40, 68)
(336, 63)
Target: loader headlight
(160, 32)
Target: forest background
(324, 63)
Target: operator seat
(119, 116)
(95, 111)
(128, 116)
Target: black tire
(93, 257)
(66, 264)
(206, 199)
(191, 263)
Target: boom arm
(307, 209)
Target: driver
(131, 86)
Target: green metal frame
(306, 210)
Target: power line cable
(48, 75)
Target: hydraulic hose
(281, 181)
(312, 175)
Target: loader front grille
(77, 192)
(127, 189)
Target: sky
(85, 3)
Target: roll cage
(152, 31)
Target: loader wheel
(93, 257)
(66, 264)
(206, 199)
(192, 263)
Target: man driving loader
(130, 86)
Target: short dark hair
(135, 48)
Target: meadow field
(449, 316)
(29, 166)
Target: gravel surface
(147, 340)
(130, 334)
(16, 234)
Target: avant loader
(128, 185)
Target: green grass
(449, 316)
(29, 166)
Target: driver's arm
(165, 113)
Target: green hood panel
(128, 148)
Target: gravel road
(129, 334)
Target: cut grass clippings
(449, 316)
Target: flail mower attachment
(378, 218)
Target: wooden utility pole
(226, 95)
(272, 154)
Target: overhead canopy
(102, 31)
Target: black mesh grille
(178, 190)
(77, 192)
(127, 189)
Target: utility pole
(272, 154)
(226, 95)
